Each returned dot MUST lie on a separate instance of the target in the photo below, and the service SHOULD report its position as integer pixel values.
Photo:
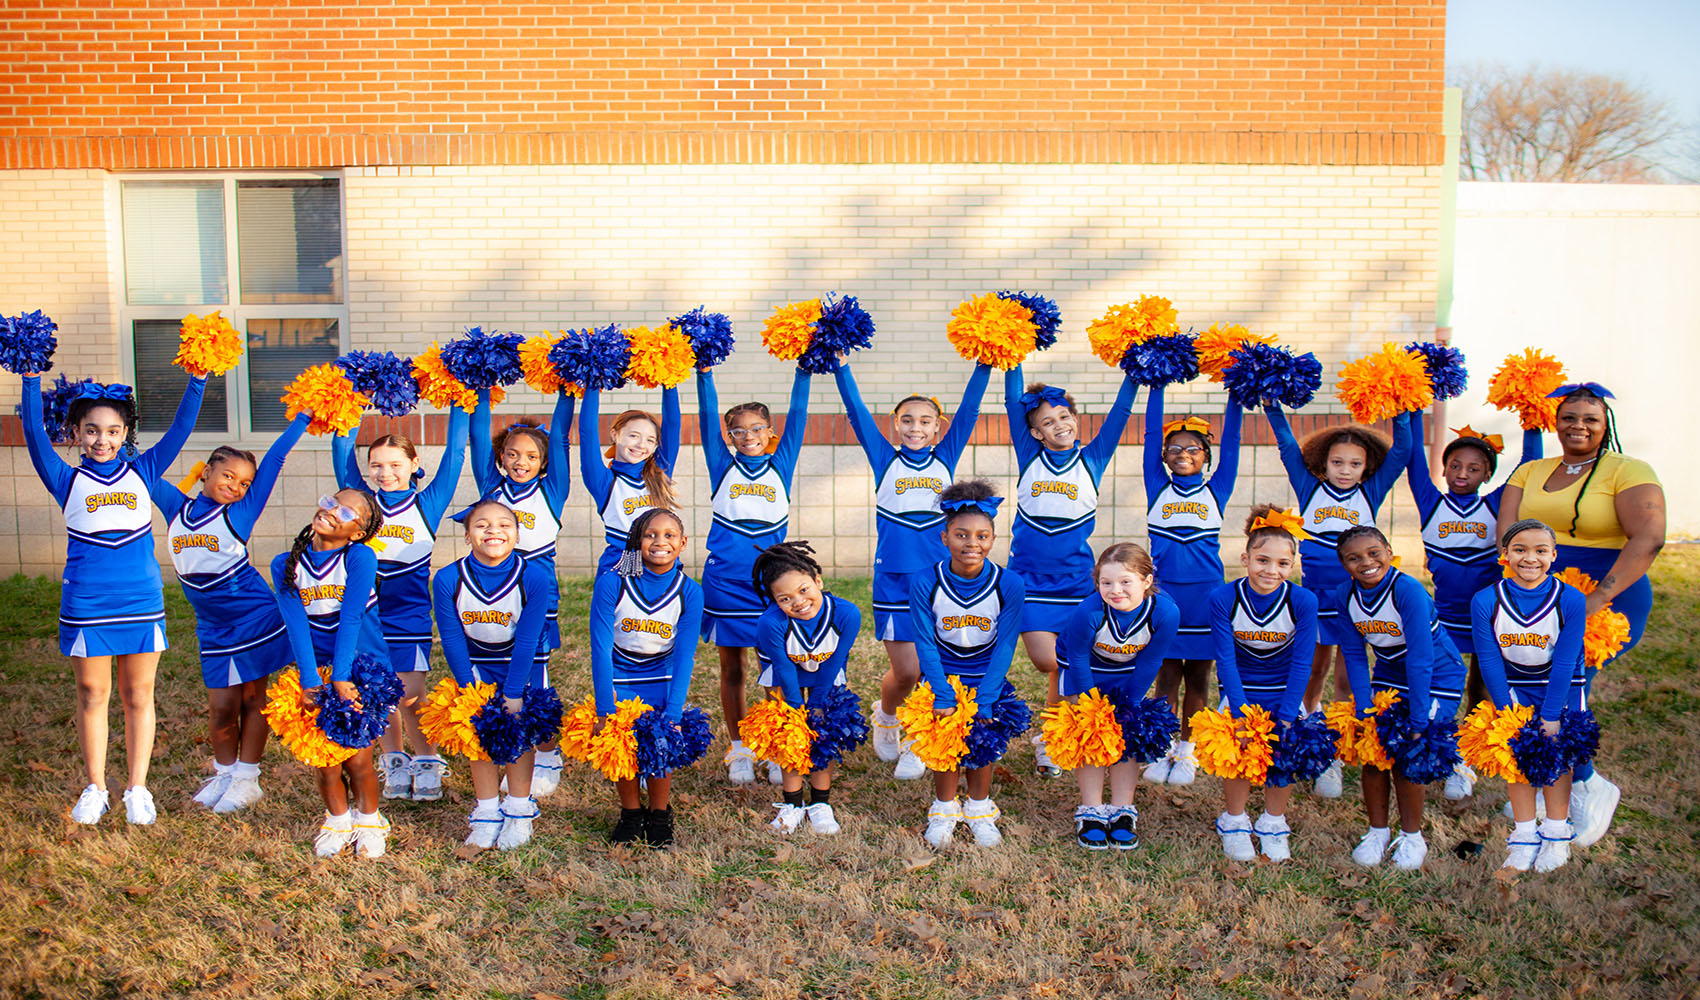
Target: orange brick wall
(304, 83)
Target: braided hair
(1608, 443)
(304, 537)
(125, 408)
(630, 563)
(1357, 531)
(777, 560)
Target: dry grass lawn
(234, 907)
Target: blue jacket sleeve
(688, 631)
(796, 426)
(167, 497)
(1009, 630)
(926, 641)
(345, 458)
(448, 624)
(529, 630)
(962, 425)
(1222, 641)
(1378, 483)
(1103, 446)
(55, 473)
(246, 511)
(598, 481)
(770, 644)
(435, 498)
(156, 460)
(874, 445)
(1077, 643)
(1416, 468)
(714, 451)
(1292, 459)
(1416, 610)
(1020, 436)
(604, 597)
(1227, 471)
(1156, 473)
(484, 471)
(1304, 645)
(558, 477)
(295, 624)
(1566, 652)
(362, 577)
(1357, 657)
(667, 451)
(1488, 659)
(1165, 620)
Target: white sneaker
(486, 824)
(335, 833)
(1042, 759)
(942, 818)
(888, 736)
(545, 773)
(775, 774)
(242, 793)
(821, 818)
(1372, 847)
(372, 839)
(1555, 849)
(518, 815)
(397, 769)
(790, 817)
(1520, 854)
(1461, 783)
(982, 819)
(1409, 850)
(909, 766)
(212, 789)
(138, 806)
(740, 765)
(1330, 783)
(1236, 837)
(428, 778)
(1157, 772)
(1591, 816)
(1184, 768)
(1272, 836)
(91, 805)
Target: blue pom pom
(502, 735)
(1161, 361)
(1148, 725)
(1445, 364)
(693, 736)
(1578, 737)
(835, 714)
(1271, 372)
(1047, 318)
(379, 689)
(1305, 750)
(994, 726)
(387, 379)
(1539, 757)
(843, 327)
(710, 334)
(1421, 753)
(595, 358)
(56, 408)
(27, 343)
(481, 360)
(541, 714)
(654, 743)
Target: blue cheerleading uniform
(331, 611)
(112, 596)
(907, 484)
(491, 620)
(643, 638)
(237, 623)
(1056, 507)
(1263, 646)
(408, 535)
(966, 628)
(1460, 547)
(752, 509)
(1115, 650)
(617, 488)
(799, 656)
(1529, 645)
(1184, 517)
(1327, 513)
(1413, 656)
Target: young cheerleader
(908, 481)
(1341, 475)
(1184, 517)
(966, 614)
(327, 590)
(1264, 631)
(751, 485)
(1528, 640)
(112, 599)
(642, 455)
(803, 643)
(490, 608)
(1116, 641)
(409, 534)
(1458, 540)
(237, 623)
(1393, 613)
(1056, 506)
(645, 617)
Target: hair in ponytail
(655, 478)
(777, 560)
(1607, 443)
(303, 539)
(1257, 536)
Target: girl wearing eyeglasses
(750, 474)
(1185, 496)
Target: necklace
(1577, 468)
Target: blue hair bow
(1049, 394)
(988, 506)
(94, 390)
(1570, 387)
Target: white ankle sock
(1523, 831)
(365, 819)
(243, 769)
(225, 768)
(340, 821)
(513, 805)
(1555, 829)
(493, 802)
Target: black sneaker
(1090, 829)
(630, 827)
(658, 827)
(1122, 835)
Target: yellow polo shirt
(1596, 527)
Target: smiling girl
(643, 451)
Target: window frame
(238, 410)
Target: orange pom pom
(1216, 345)
(779, 732)
(1607, 634)
(1084, 734)
(1357, 741)
(613, 751)
(325, 391)
(1578, 579)
(1387, 383)
(791, 329)
(1484, 740)
(297, 727)
(209, 345)
(1230, 747)
(439, 388)
(578, 728)
(1522, 383)
(1124, 325)
(446, 717)
(661, 356)
(988, 329)
(940, 743)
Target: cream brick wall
(1332, 259)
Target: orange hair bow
(1285, 520)
(1197, 425)
(1493, 441)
